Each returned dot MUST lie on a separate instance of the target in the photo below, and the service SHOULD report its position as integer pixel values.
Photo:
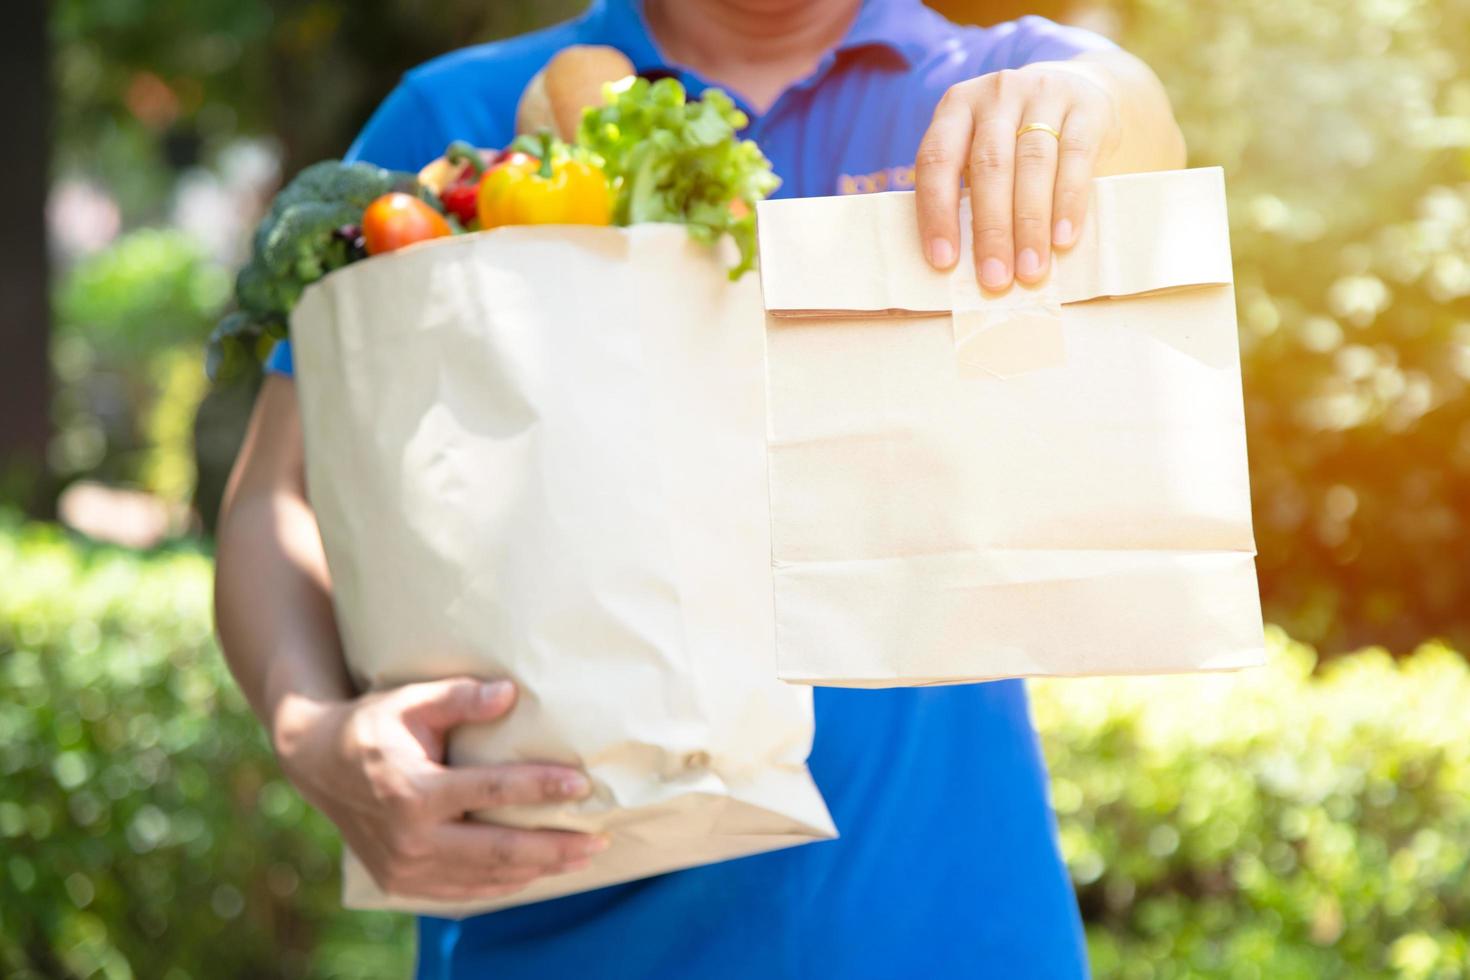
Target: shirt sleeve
(1033, 38)
(402, 134)
(280, 360)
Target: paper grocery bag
(1046, 481)
(539, 453)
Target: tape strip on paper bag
(1006, 335)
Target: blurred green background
(1310, 820)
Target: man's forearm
(275, 615)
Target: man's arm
(272, 591)
(1029, 140)
(373, 764)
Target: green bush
(1277, 823)
(151, 289)
(144, 829)
(1273, 823)
(1344, 132)
(128, 354)
(1345, 137)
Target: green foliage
(679, 161)
(1271, 823)
(1276, 823)
(145, 86)
(167, 468)
(124, 317)
(146, 831)
(1344, 130)
(151, 288)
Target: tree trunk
(24, 308)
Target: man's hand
(374, 766)
(1028, 192)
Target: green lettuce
(679, 161)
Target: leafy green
(680, 161)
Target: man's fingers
(442, 705)
(468, 875)
(468, 893)
(1078, 151)
(453, 792)
(490, 848)
(458, 889)
(938, 167)
(465, 859)
(1028, 188)
(1036, 175)
(992, 198)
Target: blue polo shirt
(948, 864)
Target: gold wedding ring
(1038, 128)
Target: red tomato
(395, 221)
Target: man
(949, 865)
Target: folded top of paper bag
(860, 256)
(861, 253)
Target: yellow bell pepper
(523, 190)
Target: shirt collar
(904, 27)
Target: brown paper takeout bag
(540, 453)
(1048, 481)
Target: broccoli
(258, 294)
(300, 239)
(357, 184)
(230, 345)
(332, 182)
(303, 243)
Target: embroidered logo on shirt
(887, 179)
